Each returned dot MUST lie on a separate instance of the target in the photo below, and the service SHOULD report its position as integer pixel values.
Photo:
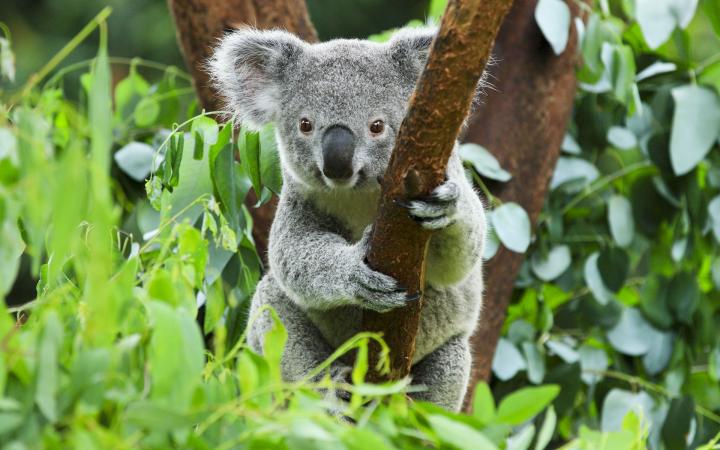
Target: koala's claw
(379, 292)
(437, 210)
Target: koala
(337, 107)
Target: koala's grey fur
(317, 280)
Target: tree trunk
(522, 124)
(200, 23)
(425, 141)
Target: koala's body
(337, 107)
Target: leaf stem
(64, 52)
(601, 183)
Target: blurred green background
(41, 27)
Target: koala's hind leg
(305, 349)
(444, 373)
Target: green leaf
(223, 172)
(613, 264)
(524, 404)
(535, 362)
(129, 91)
(594, 280)
(620, 219)
(656, 68)
(573, 169)
(633, 335)
(553, 18)
(483, 161)
(136, 160)
(363, 439)
(570, 145)
(618, 403)
(270, 173)
(47, 384)
(507, 361)
(621, 138)
(199, 147)
(696, 126)
(659, 18)
(592, 361)
(146, 112)
(175, 374)
(714, 213)
(11, 246)
(483, 403)
(550, 266)
(547, 430)
(678, 422)
(683, 296)
(274, 346)
(622, 72)
(458, 434)
(512, 225)
(522, 439)
(563, 350)
(7, 60)
(249, 146)
(658, 357)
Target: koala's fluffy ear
(247, 69)
(409, 49)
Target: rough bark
(199, 24)
(437, 109)
(522, 124)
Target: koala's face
(337, 106)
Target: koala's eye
(377, 127)
(305, 125)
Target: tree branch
(425, 141)
(522, 123)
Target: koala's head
(337, 106)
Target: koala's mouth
(357, 180)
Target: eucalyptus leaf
(658, 357)
(656, 68)
(569, 168)
(547, 429)
(458, 434)
(618, 403)
(595, 281)
(633, 335)
(508, 361)
(512, 226)
(620, 218)
(621, 138)
(553, 18)
(593, 362)
(569, 145)
(526, 403)
(658, 18)
(695, 126)
(549, 267)
(136, 160)
(483, 161)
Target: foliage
(618, 300)
(126, 208)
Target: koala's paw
(379, 292)
(437, 210)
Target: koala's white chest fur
(355, 209)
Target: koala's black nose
(338, 146)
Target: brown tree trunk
(426, 138)
(522, 124)
(199, 24)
